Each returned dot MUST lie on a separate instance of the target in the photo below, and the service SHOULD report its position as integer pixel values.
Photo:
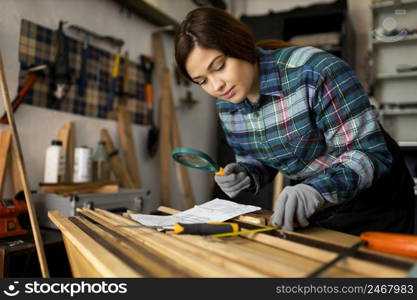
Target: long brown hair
(213, 28)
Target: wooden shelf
(394, 40)
(148, 12)
(393, 4)
(399, 112)
(383, 76)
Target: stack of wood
(103, 244)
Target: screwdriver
(392, 243)
(206, 228)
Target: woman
(301, 111)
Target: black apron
(388, 205)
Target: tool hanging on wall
(22, 172)
(147, 64)
(33, 75)
(113, 81)
(170, 133)
(124, 123)
(60, 75)
(87, 36)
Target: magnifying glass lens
(191, 159)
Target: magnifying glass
(196, 159)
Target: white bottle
(82, 164)
(54, 163)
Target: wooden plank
(16, 147)
(356, 265)
(5, 142)
(80, 266)
(182, 171)
(116, 162)
(16, 180)
(66, 135)
(124, 124)
(165, 119)
(2, 262)
(278, 263)
(272, 261)
(170, 131)
(136, 251)
(105, 262)
(203, 261)
(330, 237)
(102, 186)
(168, 210)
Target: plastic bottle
(82, 164)
(54, 163)
(101, 163)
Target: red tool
(393, 243)
(9, 211)
(34, 74)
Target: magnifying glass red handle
(220, 172)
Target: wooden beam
(124, 124)
(165, 119)
(105, 262)
(102, 186)
(137, 252)
(5, 141)
(170, 132)
(329, 237)
(116, 163)
(183, 177)
(203, 261)
(16, 179)
(16, 147)
(66, 135)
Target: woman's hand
(234, 180)
(295, 205)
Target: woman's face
(222, 77)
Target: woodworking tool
(196, 159)
(60, 75)
(392, 243)
(114, 76)
(245, 232)
(34, 73)
(147, 64)
(211, 228)
(9, 211)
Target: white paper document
(216, 210)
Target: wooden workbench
(101, 244)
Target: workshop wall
(38, 126)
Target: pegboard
(38, 46)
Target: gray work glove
(296, 204)
(234, 180)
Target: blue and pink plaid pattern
(38, 46)
(312, 121)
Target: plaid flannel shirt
(312, 121)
